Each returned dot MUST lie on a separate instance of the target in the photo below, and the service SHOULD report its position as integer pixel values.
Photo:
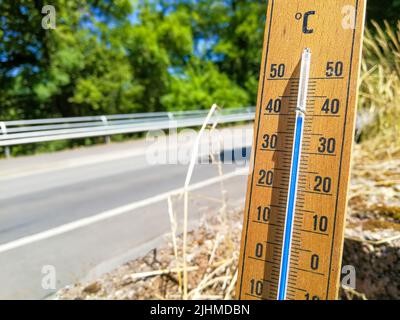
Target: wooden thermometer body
(332, 30)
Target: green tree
(126, 56)
(157, 44)
(77, 69)
(201, 85)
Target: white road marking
(112, 213)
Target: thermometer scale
(304, 128)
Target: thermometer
(292, 238)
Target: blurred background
(127, 56)
(69, 217)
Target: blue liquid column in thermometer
(294, 172)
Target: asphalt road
(84, 212)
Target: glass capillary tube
(294, 172)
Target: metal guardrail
(44, 130)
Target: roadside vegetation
(379, 102)
(109, 57)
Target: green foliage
(122, 56)
(201, 86)
(100, 60)
(155, 45)
(76, 69)
(241, 43)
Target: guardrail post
(105, 121)
(170, 116)
(7, 150)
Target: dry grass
(379, 101)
